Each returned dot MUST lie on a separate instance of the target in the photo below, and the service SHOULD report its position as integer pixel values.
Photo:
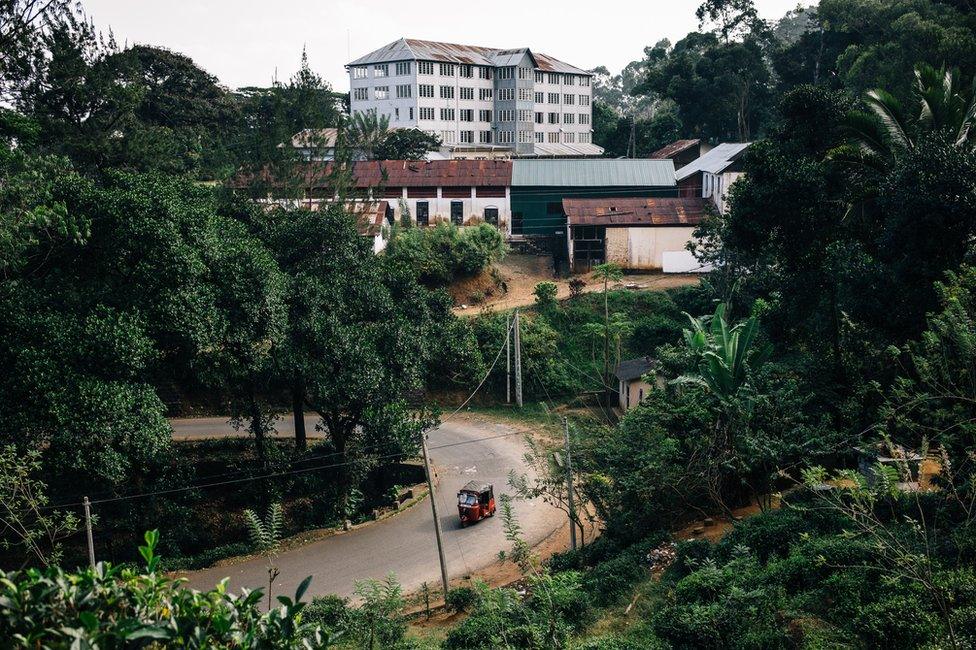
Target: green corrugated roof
(593, 173)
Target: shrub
(545, 295)
(609, 581)
(690, 555)
(576, 286)
(328, 612)
(115, 607)
(460, 599)
(444, 252)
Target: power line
(301, 470)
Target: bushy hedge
(442, 253)
(114, 607)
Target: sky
(244, 42)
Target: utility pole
(88, 527)
(518, 361)
(508, 359)
(433, 509)
(569, 488)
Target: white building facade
(478, 98)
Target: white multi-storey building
(478, 98)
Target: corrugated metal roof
(627, 211)
(420, 173)
(634, 368)
(714, 161)
(674, 148)
(410, 49)
(401, 173)
(564, 149)
(503, 58)
(315, 138)
(593, 173)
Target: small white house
(631, 383)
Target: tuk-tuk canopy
(477, 487)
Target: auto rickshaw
(476, 501)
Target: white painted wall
(450, 131)
(643, 248)
(440, 208)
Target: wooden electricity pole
(433, 509)
(569, 488)
(88, 528)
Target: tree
(28, 522)
(732, 17)
(367, 131)
(24, 24)
(941, 105)
(733, 75)
(406, 144)
(608, 272)
(726, 358)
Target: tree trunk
(257, 427)
(298, 413)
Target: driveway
(404, 544)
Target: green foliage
(28, 521)
(406, 144)
(111, 606)
(461, 599)
(378, 622)
(330, 613)
(545, 295)
(445, 252)
(368, 131)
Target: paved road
(404, 544)
(220, 427)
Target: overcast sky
(243, 42)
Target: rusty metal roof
(369, 216)
(674, 148)
(419, 173)
(635, 211)
(412, 49)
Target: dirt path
(522, 272)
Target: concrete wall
(643, 248)
(399, 110)
(634, 390)
(440, 209)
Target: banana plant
(725, 356)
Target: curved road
(404, 544)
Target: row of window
(503, 115)
(490, 214)
(467, 71)
(509, 137)
(405, 91)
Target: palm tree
(940, 104)
(367, 130)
